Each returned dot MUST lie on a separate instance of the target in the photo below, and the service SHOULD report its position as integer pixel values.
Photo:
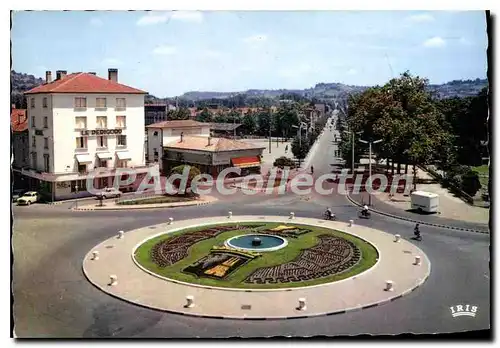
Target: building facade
(79, 123)
(154, 113)
(19, 144)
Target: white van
(424, 201)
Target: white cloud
(96, 22)
(465, 41)
(420, 18)
(111, 61)
(352, 72)
(165, 50)
(255, 39)
(153, 18)
(434, 42)
(188, 16)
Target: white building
(78, 123)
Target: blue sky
(169, 53)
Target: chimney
(209, 141)
(113, 75)
(92, 73)
(48, 76)
(182, 136)
(60, 74)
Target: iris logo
(463, 310)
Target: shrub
(283, 162)
(470, 183)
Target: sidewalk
(108, 205)
(277, 150)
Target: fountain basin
(256, 242)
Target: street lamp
(76, 195)
(370, 143)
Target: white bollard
(351, 222)
(388, 285)
(229, 215)
(397, 237)
(302, 304)
(113, 280)
(189, 301)
(417, 261)
(170, 221)
(292, 215)
(121, 234)
(95, 255)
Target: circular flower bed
(314, 255)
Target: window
(121, 122)
(81, 142)
(33, 122)
(80, 103)
(102, 141)
(79, 185)
(45, 122)
(100, 103)
(32, 103)
(102, 122)
(46, 163)
(121, 103)
(45, 143)
(103, 163)
(33, 141)
(33, 160)
(81, 122)
(121, 140)
(44, 102)
(155, 134)
(82, 169)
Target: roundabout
(188, 267)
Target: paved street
(53, 298)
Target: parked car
(28, 198)
(109, 192)
(17, 193)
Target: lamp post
(76, 194)
(370, 162)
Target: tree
(300, 148)
(286, 117)
(263, 122)
(204, 116)
(178, 114)
(283, 161)
(193, 172)
(470, 183)
(249, 123)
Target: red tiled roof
(84, 83)
(177, 124)
(200, 143)
(18, 120)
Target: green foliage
(205, 116)
(283, 161)
(263, 122)
(470, 183)
(300, 147)
(249, 123)
(193, 171)
(179, 114)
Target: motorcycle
(331, 216)
(364, 214)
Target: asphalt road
(53, 298)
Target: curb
(417, 221)
(139, 208)
(342, 311)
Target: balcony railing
(120, 108)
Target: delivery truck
(424, 201)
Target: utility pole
(370, 164)
(270, 124)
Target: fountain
(256, 241)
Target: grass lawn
(236, 279)
(483, 172)
(481, 169)
(156, 200)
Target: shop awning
(84, 159)
(123, 155)
(104, 155)
(246, 162)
